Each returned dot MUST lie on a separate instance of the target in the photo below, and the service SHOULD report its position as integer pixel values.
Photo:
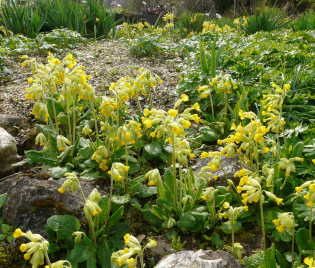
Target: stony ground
(105, 61)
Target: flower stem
(211, 104)
(263, 222)
(310, 225)
(292, 244)
(150, 97)
(126, 156)
(47, 258)
(95, 121)
(180, 186)
(232, 223)
(74, 120)
(109, 201)
(174, 172)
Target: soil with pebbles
(106, 62)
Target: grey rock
(13, 124)
(32, 199)
(199, 259)
(230, 166)
(162, 249)
(8, 153)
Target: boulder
(13, 124)
(199, 259)
(8, 153)
(230, 166)
(32, 199)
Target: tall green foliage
(267, 20)
(21, 19)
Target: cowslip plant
(132, 251)
(308, 190)
(36, 250)
(273, 106)
(285, 223)
(232, 214)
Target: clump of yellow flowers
(36, 250)
(132, 251)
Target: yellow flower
(310, 204)
(279, 200)
(204, 155)
(18, 233)
(280, 229)
(312, 187)
(266, 150)
(313, 160)
(97, 20)
(196, 118)
(186, 124)
(197, 106)
(298, 189)
(30, 80)
(184, 97)
(146, 112)
(241, 114)
(276, 222)
(309, 261)
(287, 87)
(172, 113)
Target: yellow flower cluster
(129, 132)
(34, 250)
(310, 196)
(101, 157)
(212, 27)
(130, 254)
(91, 206)
(247, 137)
(56, 76)
(232, 213)
(241, 22)
(285, 221)
(118, 171)
(213, 165)
(288, 164)
(272, 104)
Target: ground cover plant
(251, 94)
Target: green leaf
(215, 239)
(85, 152)
(270, 258)
(227, 227)
(146, 191)
(58, 172)
(120, 200)
(159, 212)
(3, 198)
(186, 221)
(104, 253)
(149, 216)
(302, 210)
(297, 150)
(81, 251)
(103, 204)
(153, 149)
(133, 168)
(92, 262)
(253, 261)
(90, 175)
(5, 228)
(64, 225)
(40, 157)
(302, 236)
(208, 134)
(114, 219)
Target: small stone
(199, 259)
(8, 153)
